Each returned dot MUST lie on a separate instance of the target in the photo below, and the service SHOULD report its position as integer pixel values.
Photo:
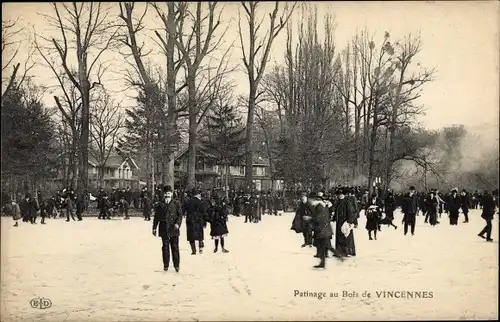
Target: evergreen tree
(143, 130)
(26, 141)
(225, 140)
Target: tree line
(323, 115)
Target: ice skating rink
(112, 271)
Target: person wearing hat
(345, 218)
(373, 213)
(168, 219)
(28, 208)
(488, 202)
(454, 207)
(352, 198)
(195, 221)
(11, 208)
(238, 203)
(322, 229)
(147, 207)
(302, 221)
(410, 209)
(257, 208)
(441, 203)
(465, 204)
(248, 204)
(390, 206)
(218, 222)
(431, 205)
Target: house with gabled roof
(119, 172)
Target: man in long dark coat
(344, 213)
(28, 208)
(248, 205)
(195, 221)
(454, 206)
(410, 208)
(390, 207)
(320, 221)
(70, 205)
(299, 224)
(354, 202)
(168, 216)
(465, 205)
(488, 202)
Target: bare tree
(405, 91)
(195, 46)
(254, 66)
(12, 40)
(85, 29)
(69, 107)
(129, 38)
(174, 58)
(106, 122)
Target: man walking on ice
(168, 216)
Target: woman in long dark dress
(432, 208)
(390, 206)
(344, 213)
(218, 223)
(373, 214)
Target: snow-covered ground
(112, 271)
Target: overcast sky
(460, 39)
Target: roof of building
(257, 159)
(114, 161)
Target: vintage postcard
(249, 161)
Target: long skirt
(345, 245)
(433, 218)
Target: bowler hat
(314, 195)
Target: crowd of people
(315, 211)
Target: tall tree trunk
(85, 130)
(388, 158)
(226, 181)
(171, 126)
(101, 176)
(191, 170)
(372, 145)
(74, 178)
(357, 150)
(149, 167)
(249, 138)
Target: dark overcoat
(454, 204)
(373, 216)
(344, 212)
(218, 219)
(196, 218)
(321, 222)
(390, 206)
(300, 225)
(28, 208)
(166, 217)
(488, 203)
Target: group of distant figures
(318, 210)
(315, 213)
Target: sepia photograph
(250, 161)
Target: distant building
(119, 172)
(210, 173)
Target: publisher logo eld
(40, 303)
